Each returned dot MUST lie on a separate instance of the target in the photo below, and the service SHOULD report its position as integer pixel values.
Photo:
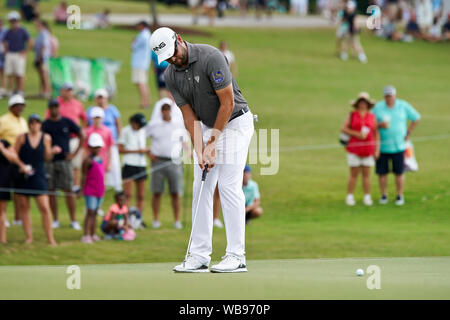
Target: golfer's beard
(182, 63)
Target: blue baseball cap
(247, 168)
(34, 117)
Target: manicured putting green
(401, 278)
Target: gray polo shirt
(207, 71)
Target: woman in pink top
(93, 186)
(363, 147)
(98, 114)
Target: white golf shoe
(367, 200)
(230, 263)
(350, 200)
(384, 199)
(191, 265)
(56, 224)
(400, 200)
(177, 225)
(75, 225)
(156, 224)
(362, 58)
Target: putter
(195, 213)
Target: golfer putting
(220, 124)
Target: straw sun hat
(363, 96)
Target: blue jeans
(93, 203)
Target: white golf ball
(360, 272)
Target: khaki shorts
(59, 175)
(77, 161)
(173, 173)
(139, 76)
(354, 160)
(15, 64)
(193, 3)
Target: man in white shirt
(167, 135)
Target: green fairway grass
(294, 82)
(115, 6)
(400, 278)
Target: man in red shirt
(71, 108)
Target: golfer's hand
(209, 155)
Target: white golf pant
(232, 150)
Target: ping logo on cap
(159, 47)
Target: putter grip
(205, 172)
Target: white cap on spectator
(16, 99)
(95, 140)
(67, 86)
(389, 91)
(13, 15)
(351, 4)
(162, 43)
(97, 112)
(101, 93)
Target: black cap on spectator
(53, 103)
(139, 118)
(143, 23)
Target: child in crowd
(115, 223)
(133, 145)
(93, 186)
(252, 198)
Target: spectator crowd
(76, 152)
(72, 151)
(409, 20)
